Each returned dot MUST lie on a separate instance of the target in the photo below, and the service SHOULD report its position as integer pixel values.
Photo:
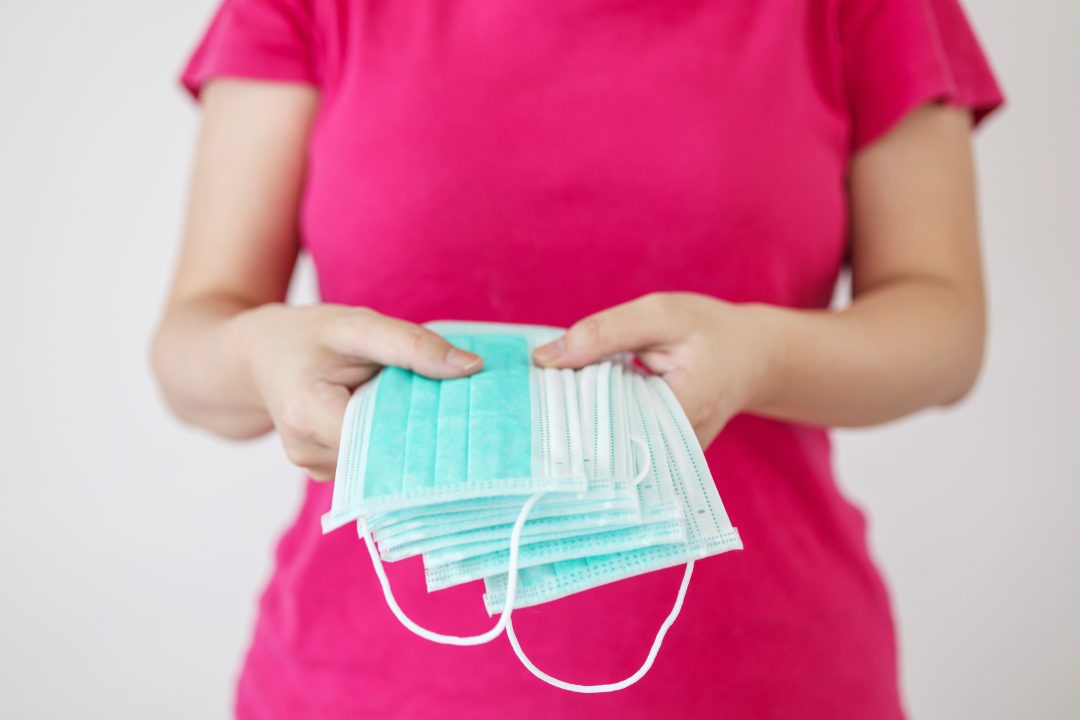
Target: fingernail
(550, 352)
(462, 359)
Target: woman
(680, 180)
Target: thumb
(636, 325)
(389, 341)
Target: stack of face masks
(541, 482)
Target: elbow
(232, 428)
(162, 366)
(966, 370)
(160, 370)
(961, 387)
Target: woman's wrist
(770, 327)
(246, 333)
(888, 354)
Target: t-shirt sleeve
(900, 54)
(270, 40)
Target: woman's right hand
(304, 362)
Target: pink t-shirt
(538, 161)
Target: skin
(230, 357)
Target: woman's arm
(228, 356)
(238, 251)
(911, 338)
(913, 335)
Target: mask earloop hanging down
(511, 586)
(657, 642)
(622, 684)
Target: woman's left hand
(716, 356)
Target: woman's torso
(537, 162)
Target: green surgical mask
(473, 438)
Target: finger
(321, 474)
(326, 413)
(318, 460)
(707, 414)
(389, 341)
(323, 471)
(642, 323)
(684, 394)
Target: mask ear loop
(511, 586)
(657, 642)
(622, 684)
(646, 466)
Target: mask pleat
(602, 422)
(541, 430)
(573, 422)
(386, 463)
(618, 450)
(500, 413)
(558, 429)
(420, 435)
(452, 434)
(585, 381)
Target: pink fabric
(536, 162)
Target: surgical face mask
(510, 430)
(586, 433)
(609, 502)
(438, 468)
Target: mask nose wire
(615, 686)
(511, 585)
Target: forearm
(900, 347)
(199, 356)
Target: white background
(132, 550)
